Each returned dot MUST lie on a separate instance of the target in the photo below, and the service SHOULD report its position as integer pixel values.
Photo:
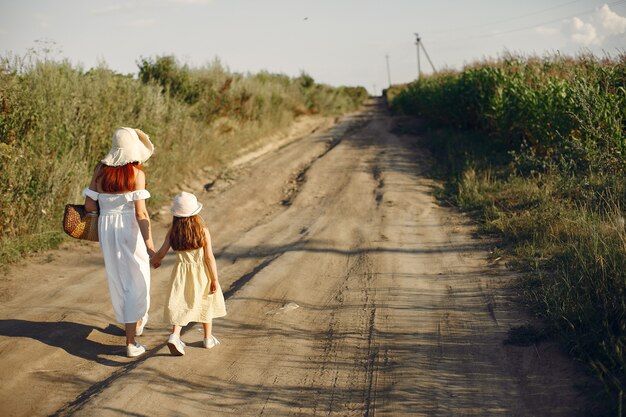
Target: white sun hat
(128, 145)
(185, 205)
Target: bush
(56, 121)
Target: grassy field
(56, 122)
(535, 149)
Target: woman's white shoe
(140, 328)
(135, 350)
(210, 342)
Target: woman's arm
(90, 203)
(142, 214)
(160, 254)
(209, 260)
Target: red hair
(118, 179)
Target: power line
(490, 35)
(511, 19)
(615, 3)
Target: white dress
(125, 254)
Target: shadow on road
(71, 337)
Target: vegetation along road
(350, 292)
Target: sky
(338, 42)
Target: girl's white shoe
(210, 342)
(175, 345)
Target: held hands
(155, 260)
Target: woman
(118, 189)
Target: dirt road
(350, 292)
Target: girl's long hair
(187, 233)
(118, 179)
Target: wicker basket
(79, 223)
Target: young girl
(195, 294)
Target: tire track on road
(299, 178)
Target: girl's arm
(91, 204)
(141, 212)
(209, 261)
(160, 254)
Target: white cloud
(545, 30)
(603, 25)
(581, 32)
(609, 21)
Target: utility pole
(419, 44)
(388, 71)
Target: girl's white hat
(128, 145)
(185, 205)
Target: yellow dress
(189, 299)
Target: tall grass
(538, 155)
(56, 122)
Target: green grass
(56, 122)
(534, 150)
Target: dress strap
(140, 195)
(91, 193)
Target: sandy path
(349, 292)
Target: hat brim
(145, 140)
(120, 156)
(193, 213)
